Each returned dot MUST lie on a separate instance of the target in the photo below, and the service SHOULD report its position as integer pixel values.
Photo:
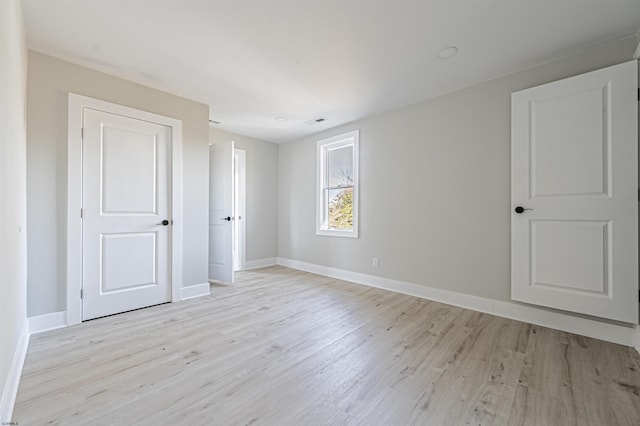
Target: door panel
(555, 262)
(129, 162)
(125, 175)
(128, 261)
(574, 165)
(563, 129)
(220, 208)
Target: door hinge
(82, 213)
(638, 94)
(82, 133)
(81, 294)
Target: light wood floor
(283, 347)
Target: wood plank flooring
(284, 347)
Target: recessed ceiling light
(281, 119)
(448, 52)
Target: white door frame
(74, 196)
(240, 201)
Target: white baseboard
(624, 335)
(13, 378)
(193, 291)
(260, 263)
(47, 322)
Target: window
(337, 199)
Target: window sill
(336, 233)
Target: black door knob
(520, 209)
(165, 222)
(228, 218)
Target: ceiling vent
(317, 120)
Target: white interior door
(575, 172)
(221, 215)
(125, 199)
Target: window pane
(340, 209)
(340, 166)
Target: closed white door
(574, 197)
(125, 208)
(221, 215)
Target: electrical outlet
(375, 262)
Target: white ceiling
(254, 60)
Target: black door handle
(228, 218)
(165, 222)
(520, 209)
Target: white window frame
(346, 139)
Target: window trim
(346, 139)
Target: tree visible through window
(337, 191)
(340, 208)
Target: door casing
(74, 196)
(240, 210)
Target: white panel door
(125, 204)
(574, 227)
(221, 213)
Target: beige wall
(434, 186)
(13, 243)
(49, 82)
(262, 193)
